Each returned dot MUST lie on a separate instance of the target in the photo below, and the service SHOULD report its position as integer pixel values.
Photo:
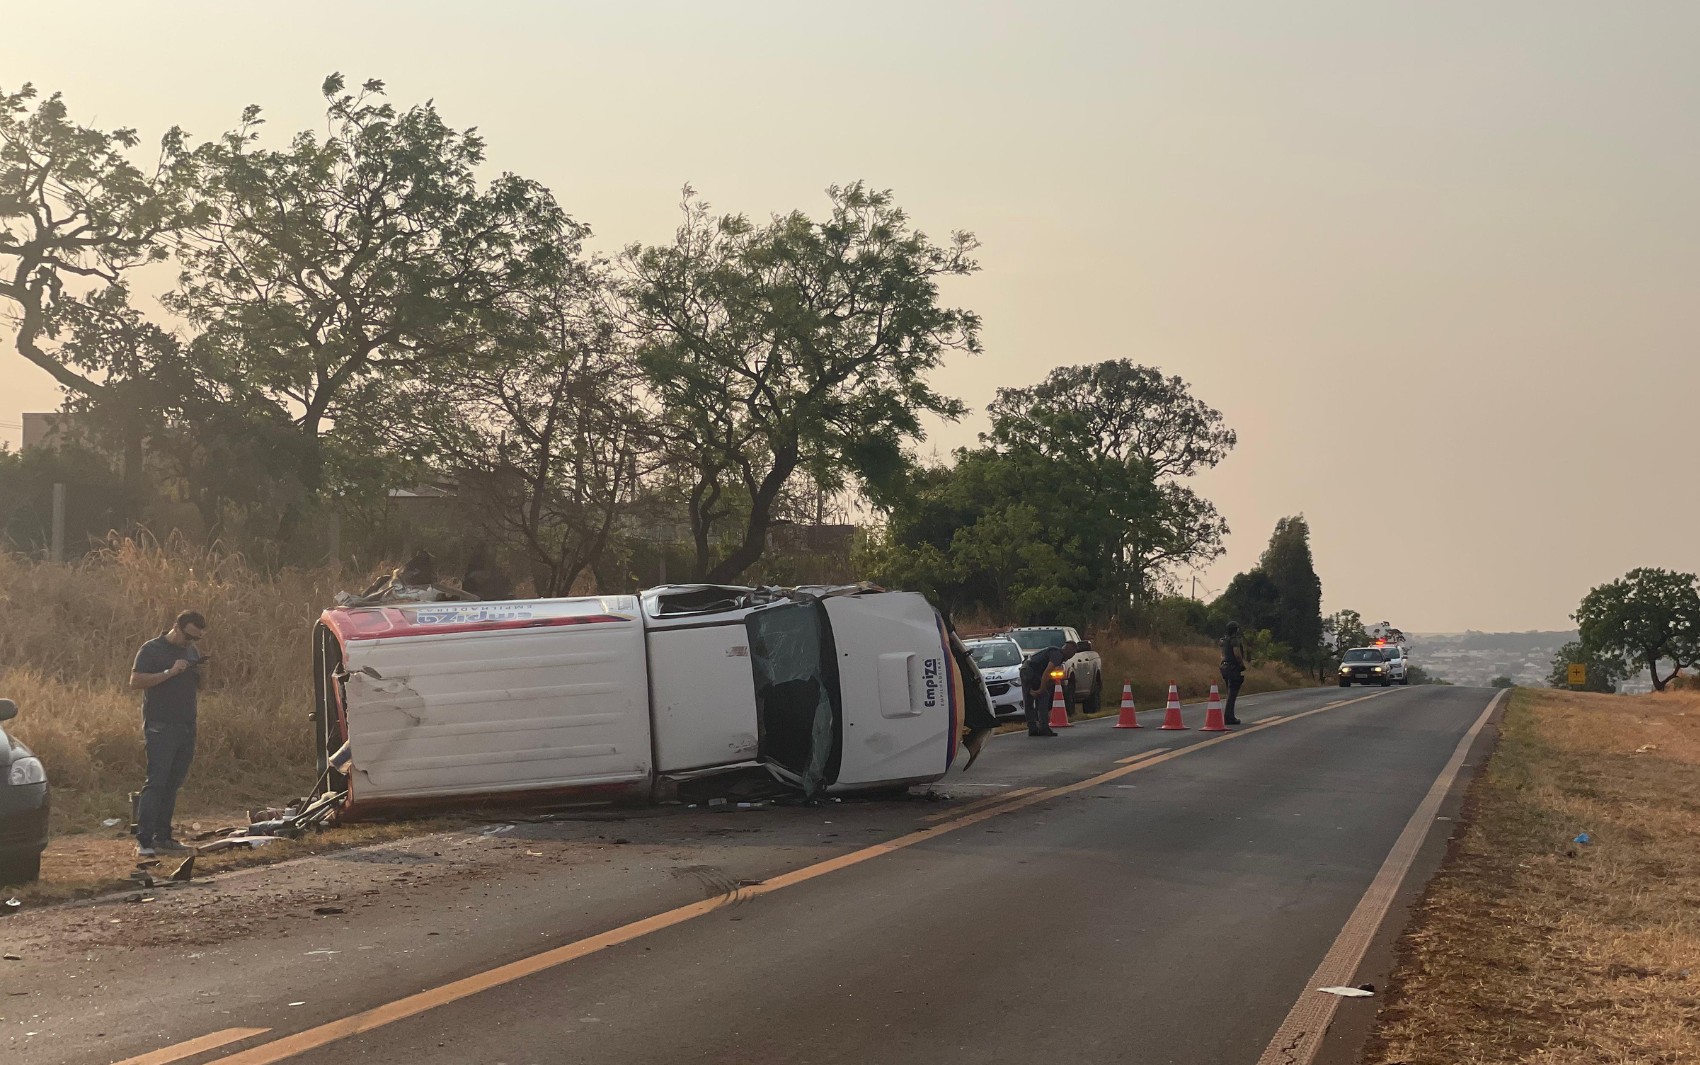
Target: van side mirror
(8, 709)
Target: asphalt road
(1171, 912)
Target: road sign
(1578, 674)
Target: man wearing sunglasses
(168, 673)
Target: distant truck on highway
(614, 697)
(1083, 675)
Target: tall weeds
(68, 637)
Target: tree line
(351, 309)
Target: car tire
(1345, 684)
(1404, 680)
(20, 868)
(1387, 682)
(1068, 698)
(1095, 697)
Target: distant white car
(999, 659)
(1398, 663)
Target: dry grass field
(1530, 947)
(69, 634)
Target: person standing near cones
(1233, 669)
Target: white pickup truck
(1083, 682)
(610, 697)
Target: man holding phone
(168, 672)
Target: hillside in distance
(1476, 658)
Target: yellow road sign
(1578, 674)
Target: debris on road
(328, 911)
(1347, 992)
(1583, 838)
(112, 822)
(9, 907)
(1645, 747)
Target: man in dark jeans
(168, 673)
(1036, 686)
(1233, 670)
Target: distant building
(51, 429)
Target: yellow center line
(210, 1041)
(1142, 755)
(411, 1005)
(990, 800)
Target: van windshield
(995, 655)
(799, 708)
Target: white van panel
(902, 695)
(704, 695)
(448, 699)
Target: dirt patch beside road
(1530, 946)
(88, 864)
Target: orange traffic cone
(1128, 718)
(1172, 712)
(1059, 709)
(1213, 713)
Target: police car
(999, 659)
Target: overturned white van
(610, 697)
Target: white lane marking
(1299, 1038)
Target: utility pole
(56, 546)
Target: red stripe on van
(388, 623)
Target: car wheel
(1095, 698)
(1345, 684)
(1405, 680)
(20, 868)
(1068, 696)
(1387, 682)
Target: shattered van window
(797, 696)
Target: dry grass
(68, 635)
(1529, 947)
(1151, 667)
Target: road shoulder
(1533, 943)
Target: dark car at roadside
(23, 805)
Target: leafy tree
(1341, 631)
(333, 270)
(1132, 434)
(76, 216)
(1298, 616)
(549, 440)
(206, 441)
(96, 500)
(1503, 682)
(1648, 616)
(1604, 671)
(1252, 599)
(799, 345)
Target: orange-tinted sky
(1436, 262)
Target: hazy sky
(1438, 263)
